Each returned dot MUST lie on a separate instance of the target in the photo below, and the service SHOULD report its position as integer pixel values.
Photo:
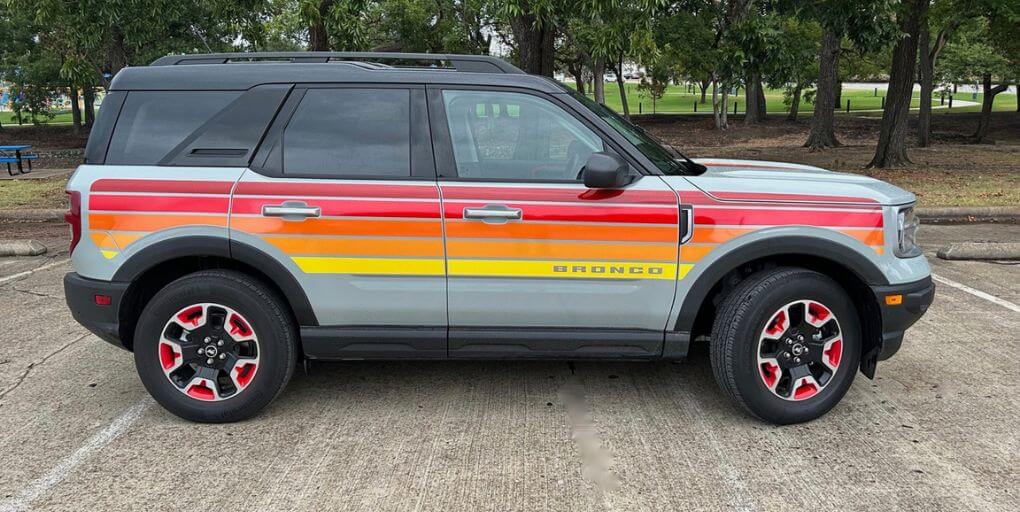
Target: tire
(757, 328)
(248, 366)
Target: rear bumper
(917, 296)
(102, 320)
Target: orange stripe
(553, 250)
(692, 253)
(103, 240)
(122, 222)
(633, 233)
(709, 235)
(869, 237)
(358, 247)
(339, 227)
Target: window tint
(514, 136)
(153, 123)
(350, 132)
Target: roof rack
(462, 63)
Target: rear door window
(350, 132)
(152, 123)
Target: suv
(238, 213)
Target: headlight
(906, 239)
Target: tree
(892, 139)
(793, 65)
(866, 24)
(533, 25)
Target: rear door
(537, 264)
(343, 193)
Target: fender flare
(221, 247)
(791, 245)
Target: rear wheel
(786, 345)
(215, 346)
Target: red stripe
(341, 208)
(164, 186)
(579, 213)
(740, 217)
(295, 190)
(176, 204)
(559, 194)
(733, 165)
(721, 197)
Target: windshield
(664, 158)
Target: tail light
(73, 217)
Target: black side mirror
(603, 170)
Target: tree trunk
(704, 88)
(318, 36)
(535, 44)
(794, 104)
(927, 72)
(89, 96)
(753, 99)
(623, 88)
(599, 84)
(892, 140)
(990, 92)
(838, 91)
(75, 109)
(823, 134)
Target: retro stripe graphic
(398, 229)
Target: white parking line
(19, 275)
(977, 293)
(59, 472)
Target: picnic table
(15, 154)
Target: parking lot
(936, 430)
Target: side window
(515, 136)
(349, 132)
(152, 123)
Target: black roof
(241, 71)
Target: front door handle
(686, 223)
(493, 212)
(291, 210)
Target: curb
(21, 248)
(32, 214)
(981, 251)
(969, 215)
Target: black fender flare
(221, 247)
(783, 245)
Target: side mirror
(603, 170)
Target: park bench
(13, 155)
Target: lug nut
(210, 361)
(800, 337)
(207, 339)
(786, 355)
(796, 359)
(805, 350)
(219, 343)
(201, 351)
(223, 356)
(789, 341)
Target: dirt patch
(33, 193)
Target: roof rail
(462, 63)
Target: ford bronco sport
(237, 213)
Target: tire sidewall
(745, 357)
(276, 346)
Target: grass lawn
(8, 118)
(33, 193)
(678, 100)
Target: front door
(537, 264)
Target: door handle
(291, 210)
(686, 223)
(493, 212)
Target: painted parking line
(26, 273)
(54, 476)
(977, 293)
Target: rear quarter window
(152, 123)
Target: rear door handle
(291, 210)
(493, 212)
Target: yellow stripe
(683, 269)
(109, 254)
(562, 269)
(383, 266)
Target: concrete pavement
(935, 431)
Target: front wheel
(786, 345)
(215, 346)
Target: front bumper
(102, 320)
(896, 318)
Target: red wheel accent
(201, 391)
(191, 315)
(244, 373)
(835, 353)
(778, 324)
(818, 312)
(769, 374)
(239, 327)
(168, 356)
(805, 390)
